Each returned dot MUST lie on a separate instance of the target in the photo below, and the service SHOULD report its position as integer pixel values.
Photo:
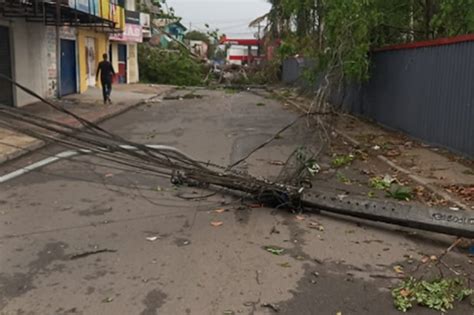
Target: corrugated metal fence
(426, 92)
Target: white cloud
(230, 16)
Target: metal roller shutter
(6, 91)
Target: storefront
(6, 89)
(94, 42)
(123, 49)
(25, 55)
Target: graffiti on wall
(51, 59)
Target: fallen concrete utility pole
(459, 223)
(446, 221)
(181, 168)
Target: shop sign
(132, 33)
(132, 17)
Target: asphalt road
(153, 252)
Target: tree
(340, 33)
(197, 35)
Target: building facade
(53, 48)
(123, 46)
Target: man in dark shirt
(106, 75)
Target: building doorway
(6, 88)
(122, 63)
(68, 67)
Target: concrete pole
(58, 49)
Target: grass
(342, 160)
(342, 178)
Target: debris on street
(275, 250)
(438, 294)
(271, 306)
(152, 238)
(217, 223)
(91, 253)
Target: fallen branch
(95, 252)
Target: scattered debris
(400, 192)
(343, 178)
(273, 307)
(221, 210)
(216, 223)
(465, 192)
(439, 294)
(381, 183)
(316, 226)
(341, 197)
(260, 104)
(278, 163)
(188, 96)
(275, 250)
(274, 230)
(108, 300)
(318, 261)
(300, 217)
(90, 253)
(398, 269)
(342, 160)
(285, 265)
(152, 238)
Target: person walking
(107, 73)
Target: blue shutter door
(68, 67)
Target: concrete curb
(38, 144)
(419, 180)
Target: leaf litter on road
(274, 250)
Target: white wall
(130, 5)
(132, 63)
(32, 55)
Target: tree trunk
(428, 17)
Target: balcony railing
(105, 14)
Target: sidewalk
(437, 176)
(88, 106)
(448, 175)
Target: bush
(169, 67)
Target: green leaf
(274, 250)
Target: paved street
(153, 251)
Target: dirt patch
(96, 212)
(18, 284)
(153, 301)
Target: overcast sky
(231, 17)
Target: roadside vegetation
(175, 67)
